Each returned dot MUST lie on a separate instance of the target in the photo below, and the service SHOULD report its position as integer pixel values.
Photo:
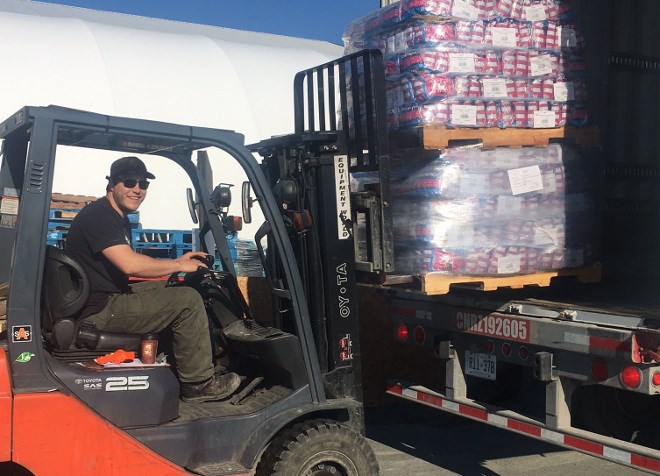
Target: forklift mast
(338, 228)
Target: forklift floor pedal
(236, 399)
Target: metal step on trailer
(629, 454)
(432, 284)
(440, 137)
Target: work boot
(217, 387)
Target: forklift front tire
(318, 447)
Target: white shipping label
(494, 88)
(342, 184)
(540, 65)
(567, 37)
(9, 206)
(463, 115)
(505, 37)
(509, 264)
(564, 91)
(462, 63)
(400, 42)
(545, 119)
(464, 9)
(535, 13)
(509, 206)
(525, 179)
(390, 45)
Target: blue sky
(312, 19)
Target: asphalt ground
(414, 440)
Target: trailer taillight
(656, 379)
(631, 377)
(506, 349)
(419, 335)
(402, 332)
(523, 352)
(599, 370)
(490, 347)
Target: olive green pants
(152, 307)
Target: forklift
(298, 410)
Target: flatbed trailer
(574, 365)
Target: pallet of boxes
(488, 124)
(487, 114)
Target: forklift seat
(65, 293)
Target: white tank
(149, 68)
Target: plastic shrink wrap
(478, 63)
(495, 212)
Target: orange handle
(116, 357)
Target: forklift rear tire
(318, 447)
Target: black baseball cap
(129, 166)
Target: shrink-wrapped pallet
(495, 212)
(477, 63)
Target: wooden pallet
(68, 201)
(440, 137)
(435, 284)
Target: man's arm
(142, 266)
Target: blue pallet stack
(59, 221)
(162, 243)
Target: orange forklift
(298, 410)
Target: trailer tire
(617, 413)
(318, 447)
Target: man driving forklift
(99, 240)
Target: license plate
(481, 365)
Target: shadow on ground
(456, 444)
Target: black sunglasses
(130, 183)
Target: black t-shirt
(97, 227)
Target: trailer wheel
(618, 413)
(318, 448)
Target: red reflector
(490, 347)
(656, 379)
(599, 370)
(506, 349)
(402, 332)
(523, 353)
(631, 377)
(419, 335)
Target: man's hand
(191, 260)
